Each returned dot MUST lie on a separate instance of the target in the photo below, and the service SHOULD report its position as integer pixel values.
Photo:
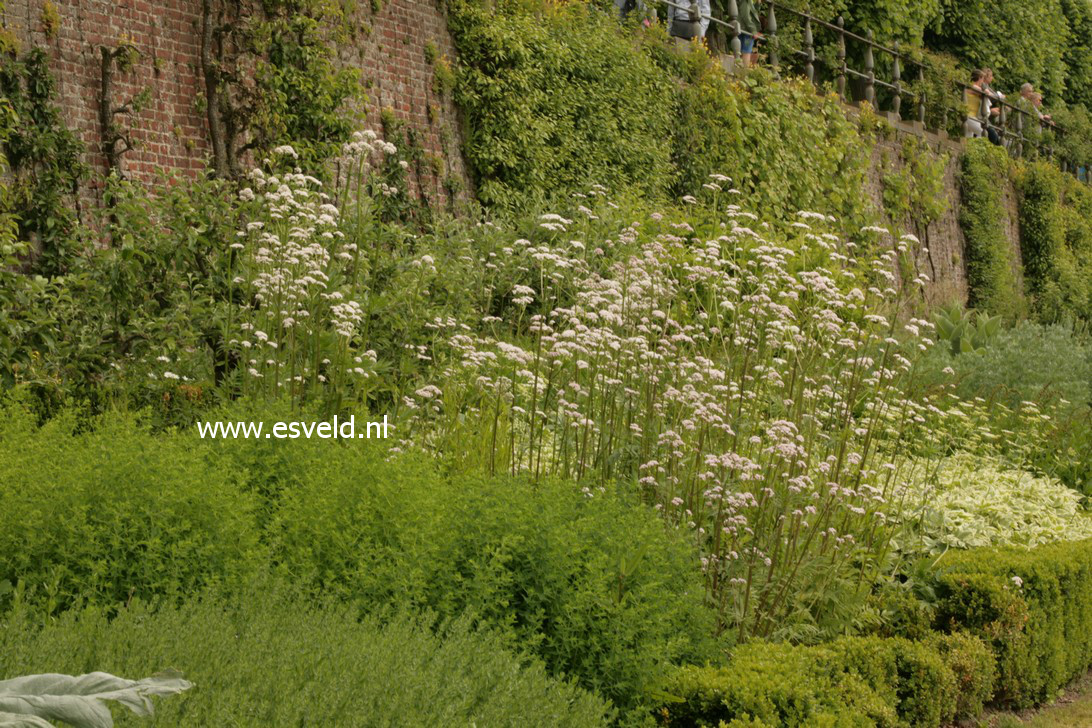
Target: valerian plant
(747, 380)
(298, 325)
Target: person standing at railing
(994, 99)
(979, 110)
(750, 24)
(690, 23)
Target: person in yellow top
(979, 109)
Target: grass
(1072, 710)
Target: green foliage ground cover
(593, 586)
(267, 657)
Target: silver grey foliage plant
(34, 700)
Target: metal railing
(1013, 124)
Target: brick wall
(171, 131)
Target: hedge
(854, 681)
(1034, 609)
(1014, 627)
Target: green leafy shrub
(1056, 242)
(973, 667)
(1078, 53)
(991, 278)
(784, 147)
(1034, 609)
(1020, 41)
(1030, 379)
(1027, 362)
(115, 512)
(850, 681)
(777, 685)
(591, 583)
(558, 97)
(268, 658)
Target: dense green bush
(590, 583)
(784, 147)
(1078, 53)
(851, 681)
(1022, 42)
(269, 659)
(1027, 362)
(1034, 609)
(115, 512)
(991, 278)
(1056, 242)
(558, 97)
(1033, 379)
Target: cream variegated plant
(973, 500)
(34, 700)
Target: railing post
(1019, 133)
(771, 32)
(733, 30)
(841, 58)
(1003, 122)
(921, 100)
(870, 72)
(809, 50)
(896, 79)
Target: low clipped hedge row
(865, 681)
(1014, 627)
(1033, 608)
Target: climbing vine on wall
(991, 281)
(44, 160)
(1056, 242)
(271, 78)
(914, 191)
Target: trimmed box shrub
(1034, 609)
(854, 681)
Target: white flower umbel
(296, 271)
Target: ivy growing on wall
(991, 278)
(557, 97)
(913, 191)
(560, 97)
(272, 78)
(1056, 242)
(44, 160)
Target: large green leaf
(29, 701)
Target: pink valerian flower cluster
(295, 269)
(748, 387)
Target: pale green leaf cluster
(964, 501)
